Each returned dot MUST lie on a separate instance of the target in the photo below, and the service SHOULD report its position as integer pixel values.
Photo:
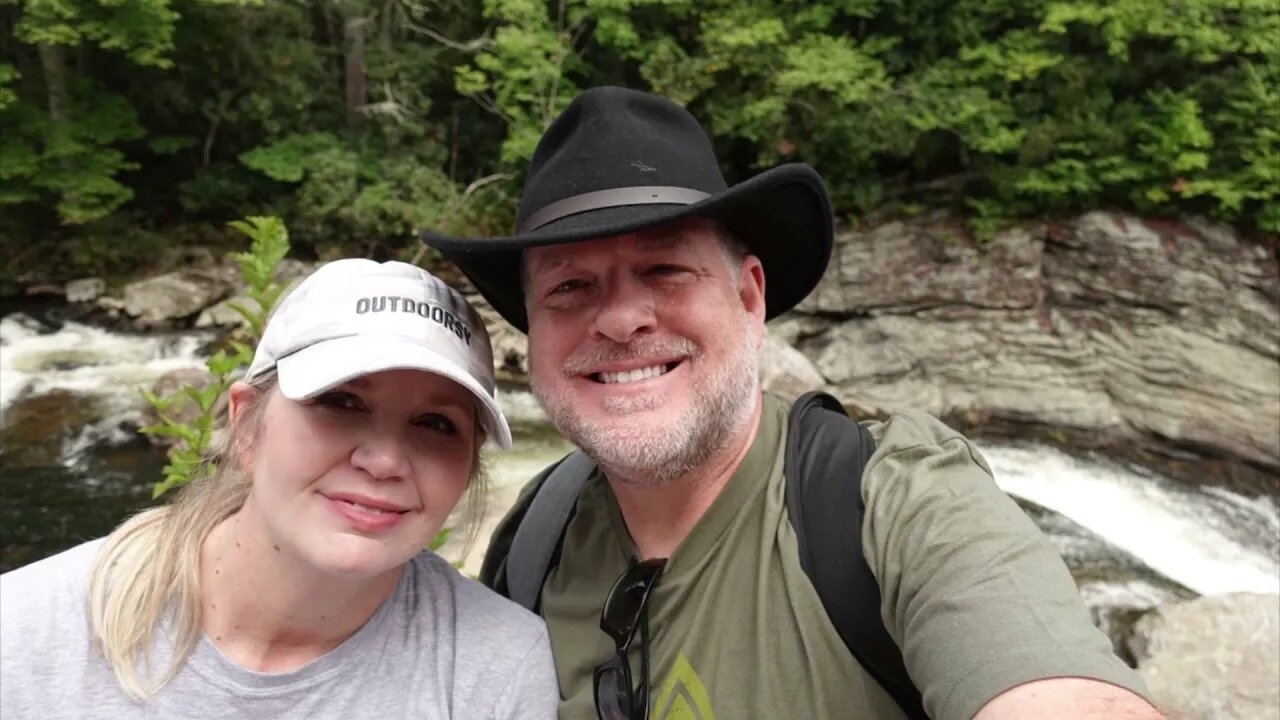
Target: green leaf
(440, 539)
(289, 159)
(170, 144)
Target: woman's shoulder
(477, 608)
(65, 574)
(499, 652)
(44, 625)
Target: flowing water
(72, 466)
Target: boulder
(85, 290)
(171, 297)
(785, 370)
(1212, 658)
(37, 426)
(223, 315)
(183, 409)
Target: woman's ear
(241, 397)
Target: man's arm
(977, 598)
(1057, 698)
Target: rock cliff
(1155, 341)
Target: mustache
(588, 359)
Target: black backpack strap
(536, 543)
(825, 457)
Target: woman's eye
(438, 423)
(339, 401)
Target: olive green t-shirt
(975, 595)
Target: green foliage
(289, 159)
(1002, 110)
(521, 75)
(141, 29)
(74, 165)
(188, 456)
(8, 75)
(258, 267)
(366, 194)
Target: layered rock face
(1155, 341)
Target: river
(72, 466)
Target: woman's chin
(356, 557)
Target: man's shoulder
(904, 429)
(914, 429)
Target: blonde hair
(147, 577)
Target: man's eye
(567, 286)
(438, 423)
(665, 270)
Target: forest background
(133, 128)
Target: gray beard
(722, 406)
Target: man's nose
(384, 455)
(627, 309)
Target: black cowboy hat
(617, 161)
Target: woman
(292, 581)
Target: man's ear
(751, 292)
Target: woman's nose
(383, 456)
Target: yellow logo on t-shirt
(682, 696)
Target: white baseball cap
(355, 317)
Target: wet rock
(110, 304)
(290, 272)
(85, 290)
(785, 370)
(510, 346)
(171, 297)
(36, 427)
(1142, 338)
(1213, 658)
(224, 315)
(183, 408)
(43, 289)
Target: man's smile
(634, 375)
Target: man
(644, 283)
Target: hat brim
(783, 215)
(325, 365)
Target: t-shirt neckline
(209, 662)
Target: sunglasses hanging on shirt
(624, 613)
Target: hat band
(617, 197)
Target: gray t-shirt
(442, 646)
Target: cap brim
(317, 368)
(783, 215)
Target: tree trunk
(55, 82)
(353, 51)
